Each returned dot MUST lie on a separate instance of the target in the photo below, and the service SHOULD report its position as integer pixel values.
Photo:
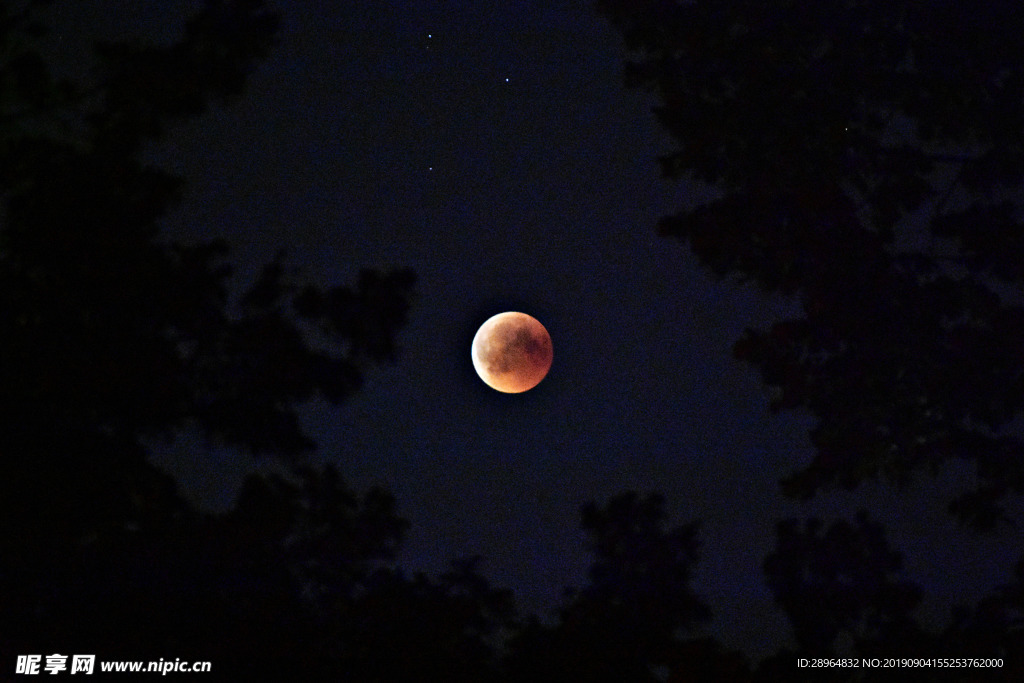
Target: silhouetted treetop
(112, 333)
(843, 578)
(630, 619)
(867, 158)
(107, 325)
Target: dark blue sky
(492, 148)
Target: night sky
(492, 148)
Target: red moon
(512, 352)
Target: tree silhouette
(112, 335)
(843, 580)
(994, 626)
(629, 620)
(846, 595)
(867, 158)
(450, 629)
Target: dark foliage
(844, 579)
(630, 619)
(869, 157)
(866, 160)
(111, 336)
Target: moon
(512, 352)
